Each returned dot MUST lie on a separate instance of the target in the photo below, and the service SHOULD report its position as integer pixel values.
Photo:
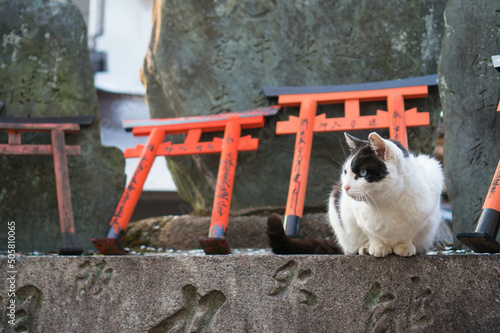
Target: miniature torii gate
(396, 118)
(232, 142)
(57, 127)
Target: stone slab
(242, 293)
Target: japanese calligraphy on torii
(193, 127)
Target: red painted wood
(352, 119)
(396, 119)
(193, 136)
(59, 151)
(380, 120)
(397, 124)
(351, 107)
(231, 124)
(37, 150)
(362, 96)
(14, 137)
(323, 124)
(208, 126)
(191, 144)
(301, 158)
(131, 195)
(225, 180)
(193, 120)
(246, 143)
(492, 200)
(170, 149)
(62, 184)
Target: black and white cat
(387, 201)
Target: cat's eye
(345, 171)
(362, 172)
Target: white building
(118, 35)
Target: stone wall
(470, 90)
(213, 57)
(253, 294)
(45, 71)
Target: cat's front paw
(405, 249)
(364, 249)
(380, 250)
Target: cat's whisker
(340, 163)
(358, 195)
(364, 197)
(342, 146)
(375, 204)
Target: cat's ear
(352, 141)
(379, 145)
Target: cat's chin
(355, 197)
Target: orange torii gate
(57, 127)
(156, 130)
(396, 118)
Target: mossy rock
(45, 71)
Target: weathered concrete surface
(469, 89)
(45, 71)
(182, 232)
(255, 294)
(210, 57)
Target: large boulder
(46, 72)
(469, 89)
(211, 57)
(183, 232)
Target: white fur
(399, 214)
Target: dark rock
(182, 232)
(212, 57)
(45, 71)
(470, 89)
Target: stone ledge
(268, 293)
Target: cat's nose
(346, 188)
